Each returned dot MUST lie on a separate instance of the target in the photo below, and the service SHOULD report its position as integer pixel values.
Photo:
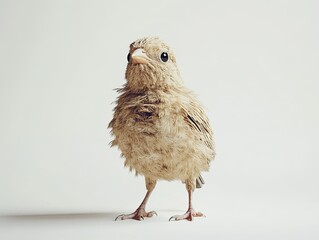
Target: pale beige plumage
(159, 125)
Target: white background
(253, 64)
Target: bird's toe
(139, 215)
(189, 215)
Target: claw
(151, 214)
(119, 216)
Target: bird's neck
(151, 82)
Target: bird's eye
(128, 57)
(164, 56)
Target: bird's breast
(154, 138)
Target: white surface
(254, 64)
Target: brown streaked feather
(196, 118)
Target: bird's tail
(199, 181)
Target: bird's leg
(140, 212)
(190, 213)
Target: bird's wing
(196, 118)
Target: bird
(159, 125)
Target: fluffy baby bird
(159, 125)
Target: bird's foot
(139, 215)
(189, 215)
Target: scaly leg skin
(140, 212)
(191, 213)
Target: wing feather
(196, 118)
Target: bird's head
(151, 64)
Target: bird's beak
(139, 56)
